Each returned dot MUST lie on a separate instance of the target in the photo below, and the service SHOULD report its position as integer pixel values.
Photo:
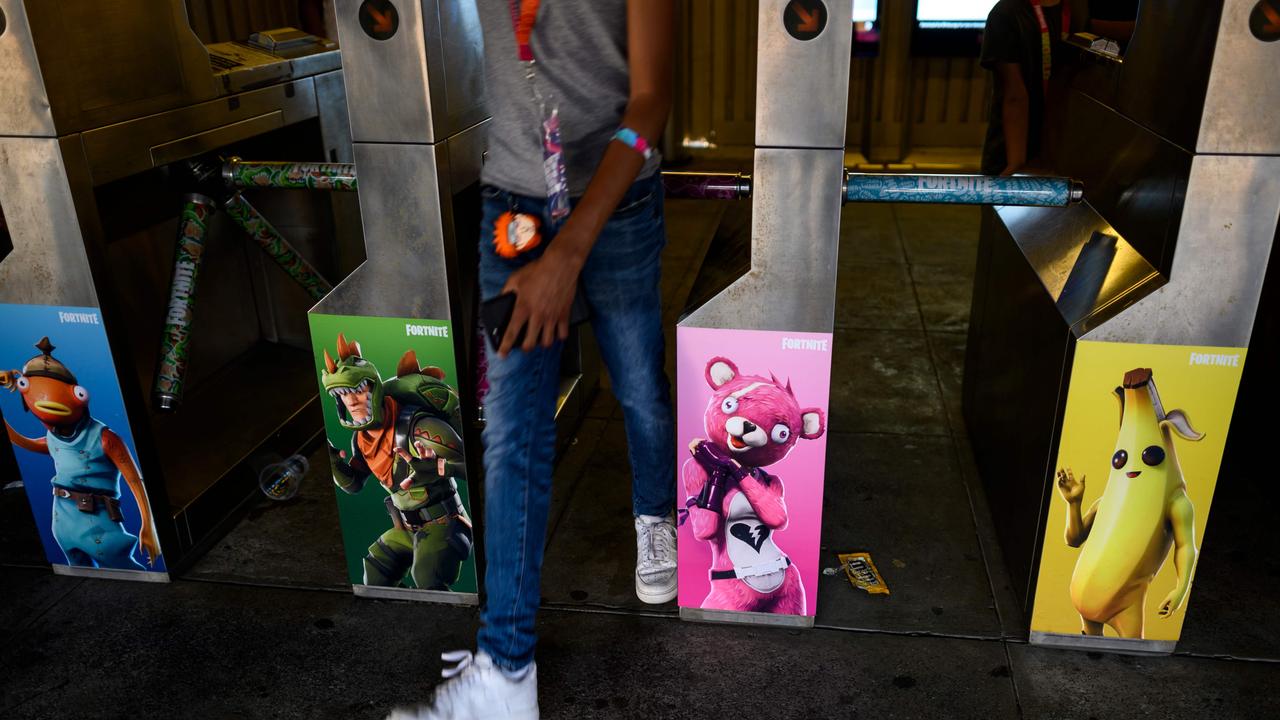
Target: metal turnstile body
(415, 73)
(1153, 282)
(753, 364)
(100, 102)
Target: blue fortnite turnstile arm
(962, 189)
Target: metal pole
(274, 244)
(290, 175)
(171, 371)
(961, 189)
(859, 187)
(706, 185)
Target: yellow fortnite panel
(1142, 440)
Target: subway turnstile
(393, 344)
(1106, 342)
(101, 104)
(753, 364)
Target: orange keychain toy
(515, 233)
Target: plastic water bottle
(280, 481)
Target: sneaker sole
(653, 598)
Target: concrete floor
(265, 625)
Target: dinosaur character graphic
(734, 504)
(88, 462)
(406, 435)
(1143, 511)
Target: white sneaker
(476, 689)
(655, 559)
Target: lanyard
(1046, 42)
(524, 14)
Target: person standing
(577, 90)
(1020, 46)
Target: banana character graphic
(1143, 511)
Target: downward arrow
(808, 19)
(381, 21)
(1273, 17)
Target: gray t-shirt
(581, 52)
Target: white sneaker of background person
(476, 689)
(655, 559)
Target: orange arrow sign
(1273, 18)
(809, 20)
(381, 21)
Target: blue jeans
(620, 284)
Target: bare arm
(545, 288)
(115, 449)
(1015, 111)
(37, 445)
(1182, 518)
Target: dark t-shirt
(1013, 36)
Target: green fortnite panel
(392, 415)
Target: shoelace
(462, 660)
(657, 543)
(447, 692)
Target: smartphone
(495, 314)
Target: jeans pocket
(635, 207)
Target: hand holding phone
(495, 314)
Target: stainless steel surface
(405, 211)
(335, 124)
(745, 618)
(126, 148)
(1224, 242)
(1244, 89)
(1161, 85)
(456, 46)
(241, 67)
(209, 140)
(335, 133)
(431, 596)
(421, 85)
(1052, 241)
(1017, 358)
(48, 264)
(466, 157)
(802, 86)
(1133, 177)
(795, 226)
(106, 62)
(24, 104)
(1124, 646)
(110, 574)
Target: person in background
(1013, 48)
(602, 70)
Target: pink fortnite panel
(751, 454)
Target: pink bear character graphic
(751, 422)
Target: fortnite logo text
(180, 298)
(78, 318)
(980, 184)
(805, 344)
(439, 331)
(1212, 359)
